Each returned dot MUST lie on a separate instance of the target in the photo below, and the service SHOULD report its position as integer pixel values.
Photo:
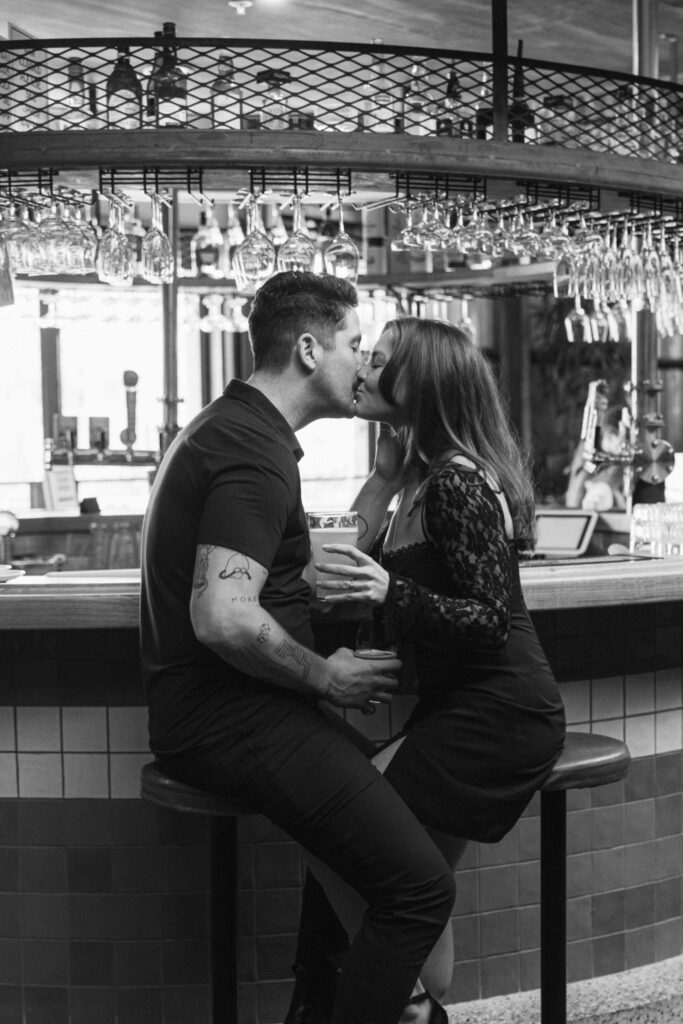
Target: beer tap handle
(128, 436)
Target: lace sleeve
(463, 518)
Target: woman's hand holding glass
(364, 581)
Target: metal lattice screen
(63, 85)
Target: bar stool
(588, 760)
(159, 788)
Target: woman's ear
(307, 351)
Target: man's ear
(307, 349)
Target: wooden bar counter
(108, 599)
(103, 899)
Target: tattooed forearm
(263, 633)
(300, 655)
(254, 661)
(201, 566)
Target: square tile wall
(116, 913)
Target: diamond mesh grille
(59, 85)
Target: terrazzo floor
(652, 994)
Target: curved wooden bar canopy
(224, 157)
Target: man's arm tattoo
(288, 650)
(263, 633)
(236, 568)
(200, 582)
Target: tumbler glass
(329, 528)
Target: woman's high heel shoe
(437, 1014)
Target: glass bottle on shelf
(207, 247)
(557, 124)
(150, 106)
(170, 84)
(124, 94)
(483, 115)
(75, 111)
(379, 104)
(521, 120)
(274, 110)
(419, 104)
(226, 96)
(447, 122)
(622, 132)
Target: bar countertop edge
(40, 602)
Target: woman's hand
(389, 457)
(365, 581)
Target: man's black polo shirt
(231, 479)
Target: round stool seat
(589, 760)
(159, 788)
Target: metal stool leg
(554, 907)
(223, 911)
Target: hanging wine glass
(115, 256)
(565, 285)
(298, 252)
(407, 238)
(553, 238)
(669, 298)
(82, 238)
(342, 255)
(21, 237)
(54, 238)
(276, 230)
(577, 324)
(630, 271)
(607, 275)
(651, 269)
(156, 252)
(214, 319)
(253, 261)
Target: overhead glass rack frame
(617, 133)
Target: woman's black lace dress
(489, 723)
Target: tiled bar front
(103, 899)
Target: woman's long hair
(454, 407)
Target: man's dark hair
(288, 305)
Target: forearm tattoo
(288, 650)
(263, 633)
(200, 582)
